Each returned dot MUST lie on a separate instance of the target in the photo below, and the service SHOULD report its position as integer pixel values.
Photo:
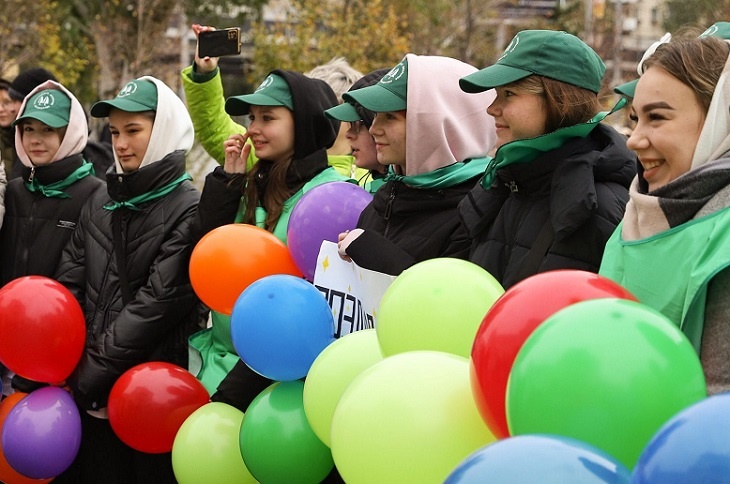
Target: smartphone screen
(216, 43)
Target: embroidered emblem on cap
(394, 74)
(44, 101)
(128, 90)
(510, 48)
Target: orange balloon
(229, 258)
(8, 475)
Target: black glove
(25, 385)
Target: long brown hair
(275, 195)
(565, 104)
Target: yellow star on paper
(326, 262)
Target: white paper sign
(352, 292)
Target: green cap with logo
(135, 97)
(389, 94)
(274, 91)
(718, 29)
(50, 106)
(548, 53)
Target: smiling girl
(558, 183)
(671, 249)
(289, 135)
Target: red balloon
(512, 319)
(229, 258)
(42, 329)
(149, 403)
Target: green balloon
(608, 372)
(332, 372)
(276, 440)
(206, 447)
(436, 305)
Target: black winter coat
(581, 187)
(36, 228)
(405, 225)
(155, 324)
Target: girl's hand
(344, 240)
(237, 151)
(206, 64)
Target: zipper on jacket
(32, 174)
(389, 209)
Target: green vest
(212, 354)
(670, 271)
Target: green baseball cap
(548, 53)
(389, 94)
(274, 91)
(135, 97)
(50, 106)
(718, 29)
(343, 112)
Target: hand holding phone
(217, 43)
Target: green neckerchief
(56, 189)
(446, 176)
(526, 150)
(146, 197)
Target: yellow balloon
(410, 418)
(437, 305)
(332, 372)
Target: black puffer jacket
(405, 225)
(164, 311)
(582, 187)
(36, 228)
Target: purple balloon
(322, 214)
(42, 433)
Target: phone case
(217, 43)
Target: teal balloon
(276, 440)
(608, 372)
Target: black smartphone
(216, 43)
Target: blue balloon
(548, 459)
(279, 325)
(693, 446)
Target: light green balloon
(206, 447)
(410, 418)
(436, 305)
(608, 372)
(332, 372)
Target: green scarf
(526, 150)
(146, 197)
(446, 176)
(56, 189)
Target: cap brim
(627, 89)
(238, 105)
(47, 118)
(102, 109)
(490, 77)
(376, 98)
(344, 112)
